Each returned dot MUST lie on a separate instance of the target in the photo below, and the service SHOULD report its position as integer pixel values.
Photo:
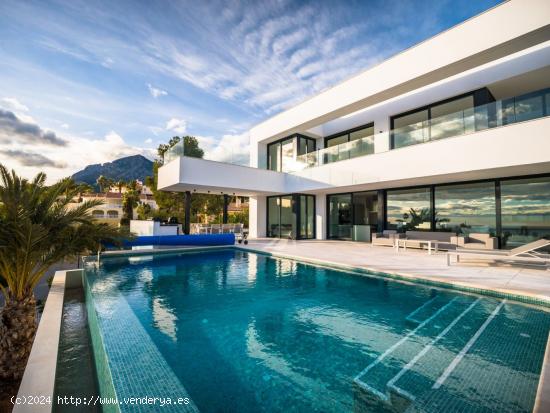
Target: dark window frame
(480, 96)
(383, 200)
(380, 210)
(278, 142)
(348, 132)
(295, 210)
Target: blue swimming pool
(234, 331)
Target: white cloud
(232, 148)
(148, 140)
(14, 104)
(155, 130)
(176, 125)
(107, 63)
(156, 92)
(65, 125)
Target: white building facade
(452, 134)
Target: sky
(85, 82)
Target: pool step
(431, 367)
(427, 309)
(390, 383)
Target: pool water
(75, 373)
(243, 332)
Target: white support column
(321, 216)
(381, 134)
(257, 217)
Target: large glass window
(466, 114)
(411, 129)
(281, 155)
(282, 216)
(409, 209)
(340, 216)
(467, 208)
(273, 217)
(307, 216)
(525, 206)
(288, 219)
(351, 135)
(436, 121)
(336, 140)
(452, 118)
(349, 144)
(274, 157)
(305, 145)
(287, 154)
(365, 209)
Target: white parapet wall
(141, 227)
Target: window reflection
(409, 209)
(525, 205)
(273, 217)
(464, 209)
(340, 215)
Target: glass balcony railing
(174, 152)
(347, 150)
(178, 150)
(500, 113)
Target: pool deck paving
(416, 265)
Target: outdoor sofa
(476, 241)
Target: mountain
(126, 169)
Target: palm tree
(130, 200)
(120, 184)
(85, 188)
(37, 229)
(103, 183)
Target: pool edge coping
(41, 368)
(542, 399)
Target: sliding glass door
(525, 210)
(291, 216)
(288, 218)
(273, 217)
(339, 216)
(307, 217)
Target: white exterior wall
(321, 216)
(257, 216)
(139, 227)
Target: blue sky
(89, 81)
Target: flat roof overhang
(205, 176)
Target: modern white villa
(451, 135)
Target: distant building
(111, 209)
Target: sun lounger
(526, 254)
